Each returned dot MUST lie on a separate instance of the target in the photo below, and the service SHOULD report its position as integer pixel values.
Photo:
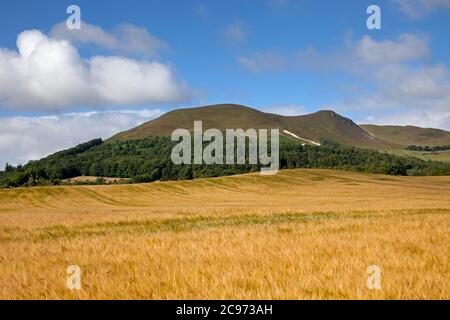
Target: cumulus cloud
(407, 47)
(418, 8)
(30, 138)
(394, 79)
(418, 91)
(420, 118)
(425, 83)
(401, 75)
(49, 75)
(417, 95)
(365, 53)
(125, 38)
(357, 55)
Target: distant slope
(312, 127)
(219, 116)
(409, 135)
(434, 156)
(330, 125)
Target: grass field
(435, 156)
(302, 234)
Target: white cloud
(418, 96)
(407, 90)
(48, 74)
(31, 138)
(366, 54)
(420, 118)
(125, 81)
(417, 85)
(401, 87)
(418, 8)
(392, 76)
(125, 38)
(407, 48)
(356, 56)
(263, 62)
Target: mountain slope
(409, 135)
(219, 116)
(328, 124)
(312, 127)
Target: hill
(319, 140)
(306, 128)
(403, 136)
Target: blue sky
(283, 56)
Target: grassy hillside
(302, 234)
(409, 135)
(219, 116)
(433, 156)
(314, 127)
(330, 125)
(324, 124)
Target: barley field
(302, 234)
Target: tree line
(148, 160)
(428, 148)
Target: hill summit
(310, 128)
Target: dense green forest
(428, 148)
(149, 160)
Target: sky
(133, 60)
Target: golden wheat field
(302, 234)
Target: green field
(436, 156)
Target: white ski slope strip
(297, 137)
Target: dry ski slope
(302, 234)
